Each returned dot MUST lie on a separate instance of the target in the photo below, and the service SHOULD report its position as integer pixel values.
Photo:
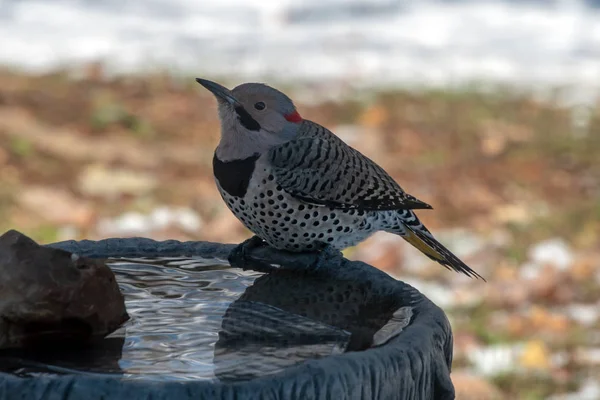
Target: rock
(50, 295)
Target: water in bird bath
(199, 319)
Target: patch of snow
(553, 251)
(366, 42)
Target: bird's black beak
(224, 95)
(221, 92)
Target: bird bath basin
(199, 327)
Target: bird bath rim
(414, 364)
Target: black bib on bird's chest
(234, 176)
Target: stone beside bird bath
(346, 331)
(49, 295)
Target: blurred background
(488, 110)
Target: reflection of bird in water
(300, 188)
(286, 317)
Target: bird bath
(199, 327)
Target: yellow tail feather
(417, 242)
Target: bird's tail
(428, 245)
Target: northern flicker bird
(300, 188)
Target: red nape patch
(294, 117)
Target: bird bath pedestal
(200, 329)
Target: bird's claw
(239, 256)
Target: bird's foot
(327, 254)
(239, 256)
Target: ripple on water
(199, 319)
(176, 307)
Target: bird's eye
(260, 106)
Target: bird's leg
(327, 254)
(238, 258)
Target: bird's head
(254, 118)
